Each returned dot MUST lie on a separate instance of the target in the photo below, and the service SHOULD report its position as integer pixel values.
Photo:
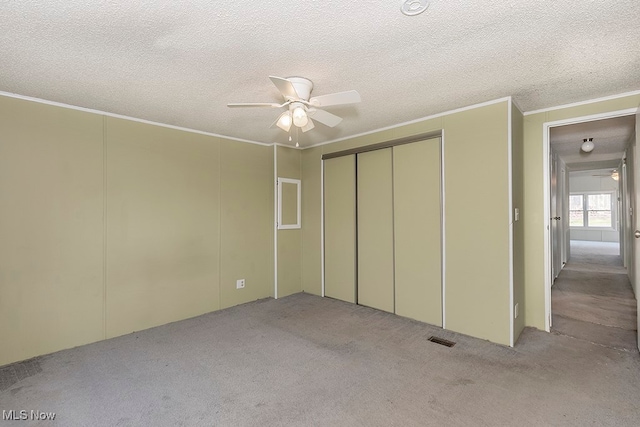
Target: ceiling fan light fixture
(587, 145)
(284, 122)
(300, 117)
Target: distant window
(576, 210)
(591, 210)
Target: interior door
(340, 228)
(375, 230)
(554, 215)
(636, 218)
(417, 231)
(566, 238)
(627, 227)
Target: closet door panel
(340, 228)
(417, 231)
(375, 230)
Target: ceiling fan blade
(308, 126)
(285, 87)
(325, 117)
(254, 104)
(338, 98)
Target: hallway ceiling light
(587, 145)
(614, 175)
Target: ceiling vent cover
(414, 7)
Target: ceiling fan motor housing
(302, 86)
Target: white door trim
(511, 224)
(443, 241)
(546, 126)
(275, 221)
(322, 223)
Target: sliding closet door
(375, 230)
(340, 228)
(417, 201)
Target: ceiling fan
(301, 109)
(613, 174)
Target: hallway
(592, 298)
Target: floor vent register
(442, 341)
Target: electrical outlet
(515, 311)
(240, 284)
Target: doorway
(590, 296)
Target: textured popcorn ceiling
(180, 63)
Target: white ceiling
(180, 63)
(610, 138)
(606, 173)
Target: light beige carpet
(310, 361)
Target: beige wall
(477, 223)
(109, 226)
(476, 215)
(51, 229)
(534, 197)
(161, 227)
(246, 222)
(289, 241)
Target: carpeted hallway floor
(310, 361)
(592, 297)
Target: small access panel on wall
(289, 205)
